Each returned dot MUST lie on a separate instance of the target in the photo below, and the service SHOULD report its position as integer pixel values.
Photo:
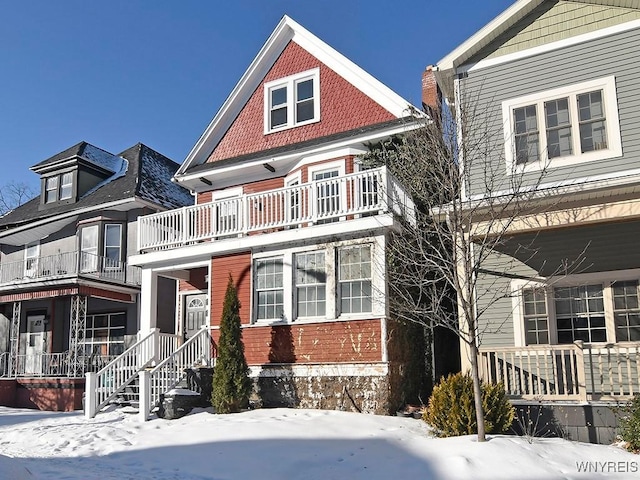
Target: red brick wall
(342, 107)
(204, 197)
(50, 394)
(328, 342)
(239, 266)
(8, 392)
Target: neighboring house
(556, 83)
(285, 209)
(68, 296)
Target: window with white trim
(31, 256)
(354, 279)
(104, 334)
(626, 311)
(113, 245)
(580, 314)
(269, 289)
(57, 188)
(536, 321)
(292, 101)
(563, 126)
(310, 284)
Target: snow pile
(281, 444)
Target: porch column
(148, 301)
(14, 338)
(77, 330)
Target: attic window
(292, 101)
(57, 188)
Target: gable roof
(287, 31)
(503, 22)
(139, 172)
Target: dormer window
(292, 101)
(58, 188)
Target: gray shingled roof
(148, 176)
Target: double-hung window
(269, 289)
(563, 126)
(626, 311)
(354, 279)
(536, 322)
(58, 187)
(113, 246)
(311, 284)
(292, 101)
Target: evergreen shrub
(231, 383)
(451, 410)
(630, 424)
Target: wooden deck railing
(579, 372)
(348, 196)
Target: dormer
(67, 176)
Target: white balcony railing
(346, 197)
(578, 372)
(47, 364)
(68, 264)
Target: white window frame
(312, 170)
(295, 179)
(256, 290)
(290, 83)
(612, 122)
(309, 285)
(107, 265)
(53, 190)
(340, 281)
(33, 258)
(606, 279)
(69, 186)
(228, 194)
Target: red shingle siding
(204, 197)
(342, 107)
(239, 266)
(196, 280)
(330, 342)
(263, 185)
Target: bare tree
(467, 205)
(14, 194)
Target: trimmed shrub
(231, 383)
(451, 410)
(630, 424)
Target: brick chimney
(431, 94)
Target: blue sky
(119, 72)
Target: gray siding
(487, 88)
(588, 249)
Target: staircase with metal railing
(105, 385)
(197, 351)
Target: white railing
(346, 197)
(68, 264)
(578, 372)
(107, 383)
(170, 371)
(47, 364)
(167, 344)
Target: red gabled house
(284, 207)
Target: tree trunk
(477, 391)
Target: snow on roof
(118, 165)
(103, 159)
(156, 186)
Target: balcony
(344, 198)
(68, 265)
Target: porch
(66, 265)
(579, 372)
(342, 198)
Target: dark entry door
(195, 314)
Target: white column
(145, 395)
(90, 395)
(148, 301)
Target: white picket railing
(68, 264)
(170, 371)
(345, 197)
(107, 383)
(4, 364)
(578, 372)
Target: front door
(195, 314)
(35, 343)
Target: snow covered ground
(281, 444)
